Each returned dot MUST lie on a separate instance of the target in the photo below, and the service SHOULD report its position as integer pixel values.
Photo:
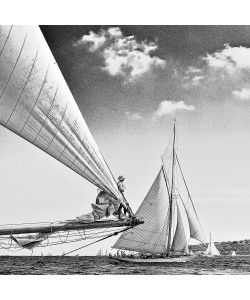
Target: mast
(210, 241)
(171, 196)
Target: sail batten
(36, 104)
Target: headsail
(181, 237)
(36, 104)
(150, 237)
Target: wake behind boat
(169, 214)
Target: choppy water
(87, 265)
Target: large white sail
(195, 228)
(151, 237)
(181, 236)
(36, 104)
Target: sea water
(88, 265)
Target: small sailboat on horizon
(211, 248)
(169, 214)
(102, 253)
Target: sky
(130, 82)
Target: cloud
(131, 116)
(243, 94)
(226, 70)
(196, 80)
(170, 107)
(230, 59)
(115, 32)
(123, 56)
(192, 69)
(93, 40)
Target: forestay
(36, 104)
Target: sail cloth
(211, 249)
(30, 241)
(181, 236)
(150, 237)
(195, 227)
(36, 104)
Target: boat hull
(155, 260)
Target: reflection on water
(87, 265)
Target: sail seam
(66, 145)
(14, 67)
(23, 88)
(47, 114)
(57, 129)
(32, 109)
(6, 40)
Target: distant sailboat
(169, 214)
(211, 249)
(37, 105)
(233, 253)
(101, 253)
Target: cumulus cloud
(170, 107)
(243, 94)
(227, 68)
(93, 40)
(123, 56)
(229, 59)
(131, 116)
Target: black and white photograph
(125, 149)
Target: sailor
(120, 184)
(105, 205)
(121, 188)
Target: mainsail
(36, 104)
(168, 211)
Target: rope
(65, 238)
(115, 233)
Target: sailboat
(37, 105)
(169, 214)
(211, 249)
(99, 253)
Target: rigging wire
(115, 233)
